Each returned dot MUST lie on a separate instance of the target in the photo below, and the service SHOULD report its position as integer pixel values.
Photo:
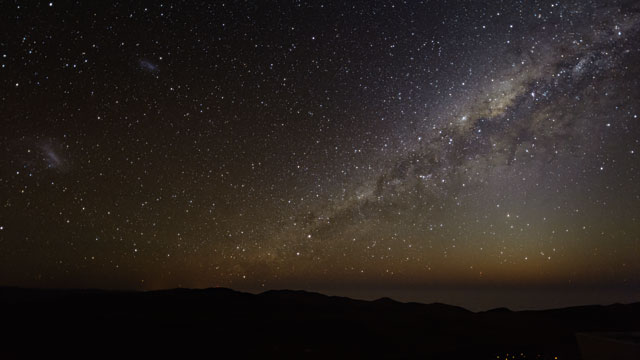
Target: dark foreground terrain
(214, 323)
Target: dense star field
(477, 153)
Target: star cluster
(353, 147)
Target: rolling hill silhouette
(286, 324)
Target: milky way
(368, 149)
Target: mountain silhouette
(220, 322)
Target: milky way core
(459, 151)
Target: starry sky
(480, 153)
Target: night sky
(480, 153)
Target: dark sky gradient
(477, 153)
